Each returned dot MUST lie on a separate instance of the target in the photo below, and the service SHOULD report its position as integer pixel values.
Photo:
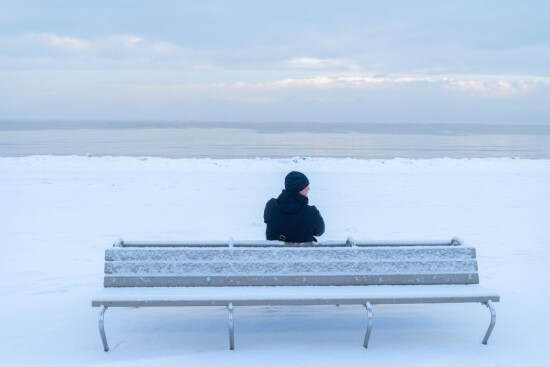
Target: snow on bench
(252, 273)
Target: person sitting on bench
(289, 218)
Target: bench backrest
(211, 265)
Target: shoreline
(282, 158)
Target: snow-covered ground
(58, 214)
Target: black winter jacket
(280, 212)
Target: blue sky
(346, 61)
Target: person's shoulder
(270, 202)
(313, 209)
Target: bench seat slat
(288, 267)
(290, 254)
(257, 296)
(288, 280)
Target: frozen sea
(273, 140)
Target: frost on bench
(154, 267)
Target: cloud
(493, 88)
(484, 87)
(317, 82)
(323, 86)
(123, 39)
(319, 64)
(334, 82)
(120, 45)
(63, 43)
(165, 47)
(361, 80)
(155, 69)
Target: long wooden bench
(255, 273)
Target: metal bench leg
(369, 324)
(489, 304)
(231, 328)
(102, 329)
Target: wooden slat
(288, 254)
(340, 280)
(288, 267)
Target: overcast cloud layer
(356, 61)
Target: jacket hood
(291, 202)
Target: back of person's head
(296, 181)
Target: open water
(249, 140)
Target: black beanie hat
(296, 181)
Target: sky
(346, 61)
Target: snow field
(58, 214)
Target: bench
(263, 273)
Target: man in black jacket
(289, 218)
